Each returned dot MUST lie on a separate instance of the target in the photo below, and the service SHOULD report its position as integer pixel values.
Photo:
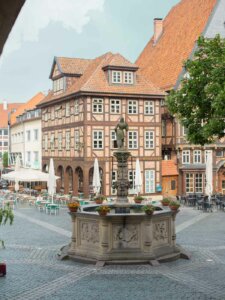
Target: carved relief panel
(161, 232)
(125, 236)
(89, 233)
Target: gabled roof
(169, 168)
(120, 62)
(5, 113)
(163, 62)
(29, 105)
(94, 80)
(70, 66)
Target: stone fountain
(126, 234)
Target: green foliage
(174, 203)
(200, 102)
(148, 207)
(5, 159)
(6, 215)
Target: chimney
(158, 29)
(5, 105)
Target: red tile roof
(4, 113)
(169, 168)
(72, 65)
(94, 79)
(29, 105)
(163, 62)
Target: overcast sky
(72, 28)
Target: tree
(199, 104)
(5, 159)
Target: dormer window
(58, 85)
(128, 77)
(116, 77)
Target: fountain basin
(123, 237)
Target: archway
(45, 168)
(68, 180)
(79, 180)
(91, 172)
(60, 183)
(220, 185)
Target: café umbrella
(96, 177)
(138, 178)
(51, 179)
(209, 174)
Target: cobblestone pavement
(33, 271)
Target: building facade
(26, 134)
(5, 111)
(79, 118)
(173, 42)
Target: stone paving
(33, 271)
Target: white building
(25, 134)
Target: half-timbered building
(79, 116)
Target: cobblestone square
(33, 271)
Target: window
(113, 140)
(150, 181)
(189, 183)
(28, 135)
(52, 113)
(197, 156)
(223, 184)
(76, 107)
(58, 85)
(46, 143)
(207, 152)
(186, 156)
(163, 128)
(149, 139)
(67, 140)
(132, 139)
(28, 156)
(198, 183)
(97, 106)
(35, 156)
(162, 102)
(52, 141)
(132, 107)
(5, 131)
(114, 179)
(219, 153)
(60, 141)
(116, 77)
(98, 139)
(115, 106)
(131, 178)
(76, 139)
(67, 109)
(128, 77)
(35, 134)
(149, 108)
(173, 185)
(185, 130)
(5, 143)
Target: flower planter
(149, 212)
(2, 269)
(103, 214)
(165, 203)
(137, 201)
(98, 201)
(73, 209)
(174, 208)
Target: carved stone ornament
(125, 237)
(160, 231)
(90, 232)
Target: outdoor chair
(52, 208)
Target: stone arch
(60, 182)
(45, 168)
(79, 180)
(68, 181)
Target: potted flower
(138, 199)
(174, 205)
(99, 199)
(148, 209)
(165, 202)
(73, 206)
(6, 215)
(103, 210)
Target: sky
(72, 28)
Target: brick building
(79, 116)
(173, 42)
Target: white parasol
(138, 178)
(96, 177)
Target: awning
(27, 175)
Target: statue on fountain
(119, 129)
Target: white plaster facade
(26, 140)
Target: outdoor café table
(52, 207)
